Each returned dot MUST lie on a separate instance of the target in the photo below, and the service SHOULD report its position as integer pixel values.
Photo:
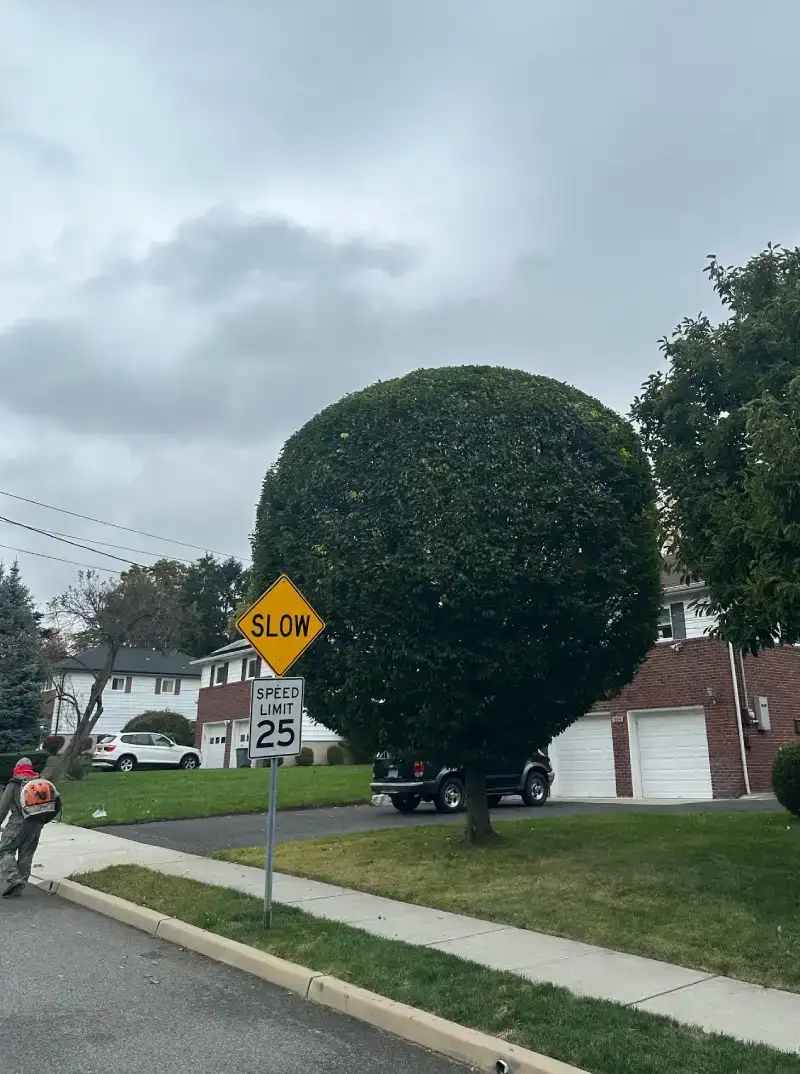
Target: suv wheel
(126, 763)
(189, 761)
(405, 803)
(450, 798)
(536, 789)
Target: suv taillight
(110, 749)
(419, 769)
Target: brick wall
(222, 704)
(774, 674)
(698, 672)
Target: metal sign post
(280, 626)
(276, 729)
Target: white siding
(119, 707)
(205, 675)
(698, 623)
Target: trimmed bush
(171, 724)
(80, 767)
(786, 777)
(8, 760)
(335, 755)
(305, 757)
(53, 744)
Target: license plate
(392, 773)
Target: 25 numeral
(285, 728)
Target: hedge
(786, 777)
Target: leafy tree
(172, 724)
(208, 593)
(482, 545)
(721, 426)
(133, 610)
(22, 667)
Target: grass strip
(714, 891)
(601, 1037)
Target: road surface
(220, 833)
(84, 995)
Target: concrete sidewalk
(716, 1004)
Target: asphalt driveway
(207, 834)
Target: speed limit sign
(276, 718)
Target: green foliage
(79, 767)
(52, 744)
(482, 545)
(22, 668)
(722, 426)
(305, 757)
(9, 760)
(335, 755)
(207, 593)
(171, 724)
(786, 777)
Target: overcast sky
(221, 215)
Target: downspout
(739, 724)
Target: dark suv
(408, 784)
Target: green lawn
(600, 1037)
(713, 891)
(131, 797)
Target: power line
(58, 559)
(117, 526)
(75, 544)
(121, 547)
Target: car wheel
(126, 763)
(405, 803)
(536, 789)
(189, 761)
(450, 798)
(494, 800)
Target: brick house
(223, 707)
(698, 721)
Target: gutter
(739, 724)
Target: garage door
(672, 749)
(213, 747)
(583, 760)
(240, 737)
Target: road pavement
(84, 995)
(220, 833)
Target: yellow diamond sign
(280, 625)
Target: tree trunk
(479, 829)
(57, 767)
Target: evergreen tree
(22, 667)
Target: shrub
(8, 760)
(335, 755)
(786, 777)
(305, 757)
(80, 767)
(53, 744)
(171, 724)
(360, 752)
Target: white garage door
(213, 747)
(240, 737)
(673, 754)
(583, 760)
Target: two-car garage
(668, 751)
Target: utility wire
(121, 547)
(75, 544)
(117, 526)
(58, 559)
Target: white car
(129, 749)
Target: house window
(167, 686)
(220, 674)
(252, 668)
(672, 622)
(118, 683)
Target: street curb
(487, 1054)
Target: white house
(142, 680)
(223, 708)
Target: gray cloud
(403, 184)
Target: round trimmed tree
(482, 545)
